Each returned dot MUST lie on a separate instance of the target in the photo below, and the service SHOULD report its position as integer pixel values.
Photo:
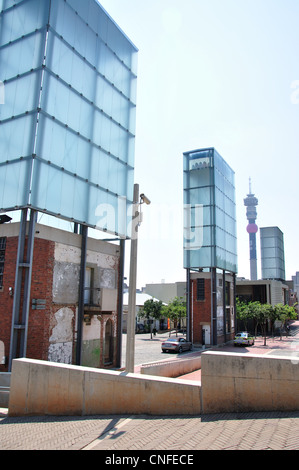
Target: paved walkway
(231, 431)
(244, 431)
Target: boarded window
(200, 289)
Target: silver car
(176, 345)
(243, 338)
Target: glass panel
(25, 18)
(200, 196)
(229, 206)
(20, 96)
(109, 213)
(52, 189)
(199, 178)
(196, 258)
(230, 225)
(4, 4)
(197, 215)
(219, 199)
(16, 137)
(21, 57)
(14, 179)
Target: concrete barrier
(232, 382)
(4, 389)
(45, 388)
(173, 368)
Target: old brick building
(53, 310)
(212, 308)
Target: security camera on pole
(136, 221)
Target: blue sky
(223, 74)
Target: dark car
(243, 338)
(176, 345)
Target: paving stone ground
(231, 431)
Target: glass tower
(210, 212)
(67, 125)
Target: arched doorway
(108, 344)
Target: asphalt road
(149, 350)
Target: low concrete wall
(5, 378)
(4, 388)
(232, 382)
(45, 388)
(173, 368)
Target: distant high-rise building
(272, 253)
(251, 202)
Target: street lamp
(136, 221)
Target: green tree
(175, 311)
(265, 314)
(284, 313)
(242, 312)
(152, 309)
(272, 318)
(262, 313)
(255, 312)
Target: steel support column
(188, 305)
(131, 324)
(21, 303)
(80, 318)
(224, 304)
(214, 305)
(120, 302)
(235, 303)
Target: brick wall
(6, 301)
(201, 309)
(42, 322)
(41, 288)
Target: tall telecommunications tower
(251, 202)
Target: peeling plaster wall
(92, 339)
(66, 275)
(67, 271)
(65, 282)
(61, 340)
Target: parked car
(140, 328)
(243, 338)
(176, 345)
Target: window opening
(200, 289)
